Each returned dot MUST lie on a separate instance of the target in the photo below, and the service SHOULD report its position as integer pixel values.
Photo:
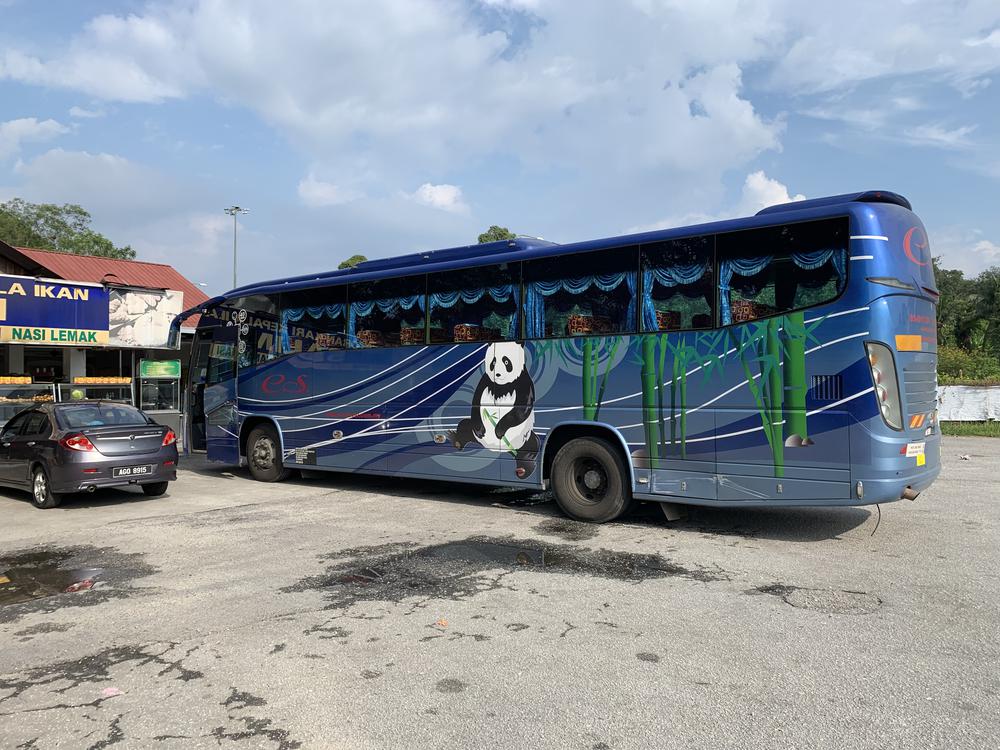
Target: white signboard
(142, 319)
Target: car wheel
(264, 455)
(41, 492)
(155, 489)
(591, 481)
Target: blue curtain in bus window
(808, 261)
(665, 276)
(743, 267)
(390, 306)
(471, 296)
(812, 261)
(295, 314)
(537, 291)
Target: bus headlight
(886, 384)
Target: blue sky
(383, 127)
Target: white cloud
(966, 249)
(940, 136)
(317, 193)
(13, 133)
(443, 197)
(81, 113)
(759, 191)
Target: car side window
(35, 424)
(13, 427)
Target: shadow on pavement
(804, 524)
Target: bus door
(196, 390)
(218, 400)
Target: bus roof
(529, 248)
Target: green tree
(47, 226)
(351, 262)
(496, 234)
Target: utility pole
(234, 211)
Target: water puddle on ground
(36, 575)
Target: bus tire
(264, 455)
(591, 481)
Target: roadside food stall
(19, 392)
(103, 388)
(160, 391)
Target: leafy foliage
(64, 228)
(968, 319)
(496, 234)
(351, 262)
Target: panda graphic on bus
(502, 415)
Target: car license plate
(132, 471)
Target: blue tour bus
(784, 359)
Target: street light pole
(234, 211)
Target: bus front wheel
(264, 455)
(590, 480)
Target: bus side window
(256, 319)
(581, 294)
(474, 304)
(313, 320)
(388, 312)
(774, 270)
(678, 287)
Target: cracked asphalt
(338, 611)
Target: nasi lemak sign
(44, 311)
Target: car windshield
(75, 416)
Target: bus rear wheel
(264, 455)
(590, 480)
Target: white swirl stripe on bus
(859, 394)
(389, 419)
(745, 382)
(409, 374)
(336, 390)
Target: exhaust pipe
(909, 494)
(91, 488)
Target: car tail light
(883, 369)
(77, 442)
(170, 438)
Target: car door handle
(31, 443)
(6, 445)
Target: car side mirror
(8, 435)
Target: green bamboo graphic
(660, 369)
(587, 375)
(683, 395)
(794, 371)
(749, 341)
(616, 342)
(649, 416)
(771, 370)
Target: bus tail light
(883, 369)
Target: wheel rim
(590, 479)
(263, 454)
(40, 487)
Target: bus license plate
(132, 471)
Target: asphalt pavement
(339, 611)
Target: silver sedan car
(54, 449)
